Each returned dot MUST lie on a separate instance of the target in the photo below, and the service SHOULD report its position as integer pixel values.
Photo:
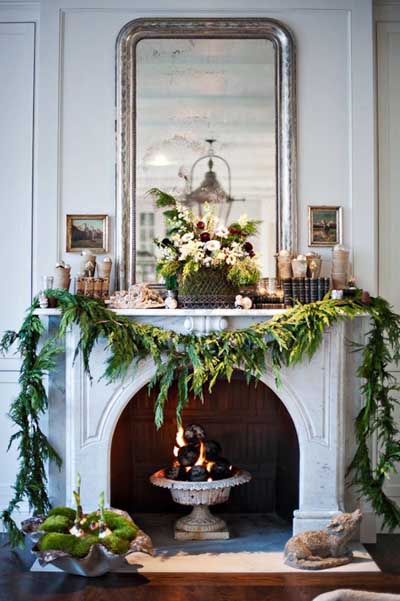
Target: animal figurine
(322, 549)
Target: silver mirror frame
(285, 58)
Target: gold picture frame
(325, 225)
(87, 232)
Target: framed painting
(87, 232)
(324, 225)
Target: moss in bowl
(76, 547)
(57, 537)
(57, 523)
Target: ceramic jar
(104, 271)
(340, 266)
(62, 277)
(104, 268)
(284, 264)
(299, 266)
(88, 263)
(314, 263)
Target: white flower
(187, 237)
(190, 249)
(222, 232)
(243, 220)
(212, 245)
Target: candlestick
(76, 529)
(103, 530)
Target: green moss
(56, 523)
(77, 547)
(120, 526)
(65, 511)
(115, 544)
(61, 519)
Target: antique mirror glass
(203, 115)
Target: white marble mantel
(195, 321)
(322, 397)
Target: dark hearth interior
(253, 427)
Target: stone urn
(200, 524)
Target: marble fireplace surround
(322, 397)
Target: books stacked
(304, 290)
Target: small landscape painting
(325, 226)
(87, 232)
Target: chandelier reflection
(210, 190)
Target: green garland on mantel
(196, 361)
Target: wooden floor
(17, 584)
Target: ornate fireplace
(318, 400)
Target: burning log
(188, 455)
(221, 469)
(212, 450)
(198, 460)
(176, 472)
(198, 473)
(194, 433)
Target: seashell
(247, 303)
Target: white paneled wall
(17, 58)
(17, 142)
(388, 104)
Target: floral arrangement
(193, 244)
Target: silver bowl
(97, 562)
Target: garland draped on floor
(197, 361)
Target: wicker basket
(207, 288)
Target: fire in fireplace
(197, 459)
(199, 477)
(251, 425)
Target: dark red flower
(200, 225)
(252, 254)
(248, 247)
(234, 230)
(205, 237)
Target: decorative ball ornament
(243, 302)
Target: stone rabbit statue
(322, 549)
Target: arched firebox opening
(250, 422)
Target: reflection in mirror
(206, 131)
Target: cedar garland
(197, 361)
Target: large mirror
(206, 112)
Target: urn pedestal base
(200, 524)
